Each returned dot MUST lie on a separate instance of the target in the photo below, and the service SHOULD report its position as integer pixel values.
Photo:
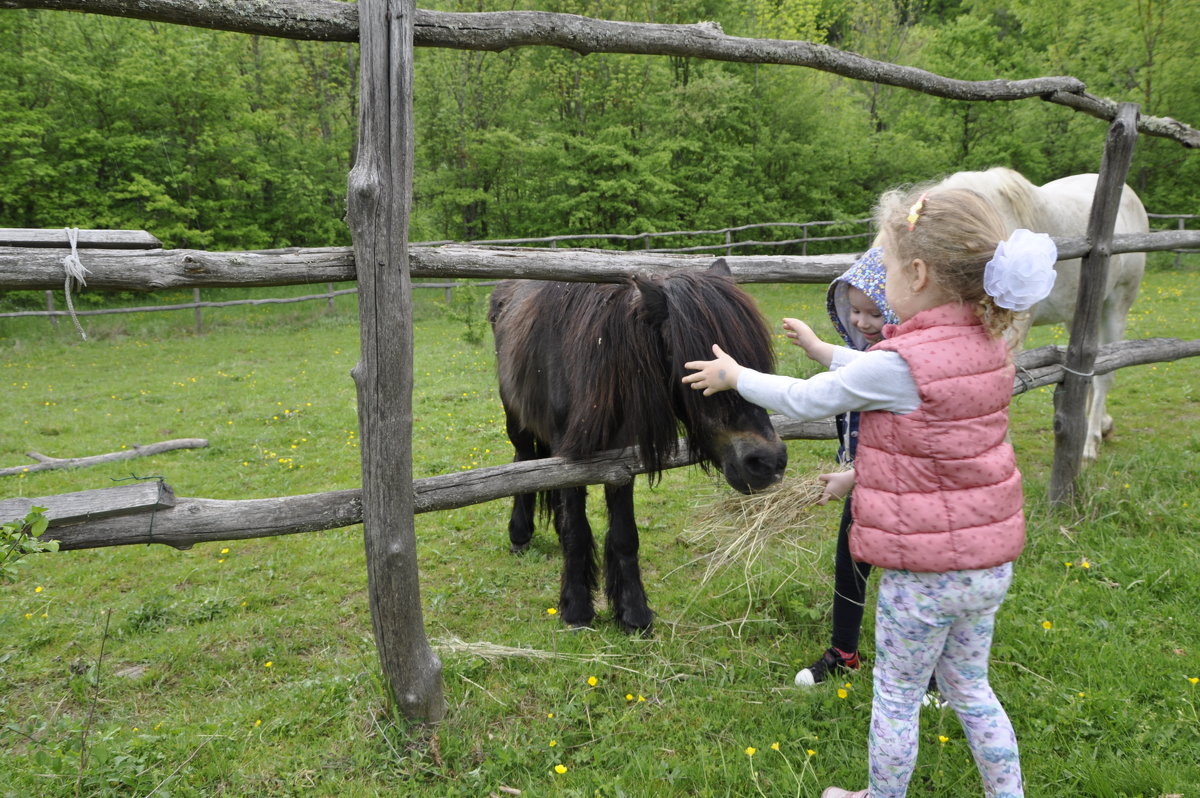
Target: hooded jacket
(869, 276)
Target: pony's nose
(764, 465)
(767, 465)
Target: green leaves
(20, 537)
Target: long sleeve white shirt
(877, 380)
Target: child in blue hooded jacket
(859, 311)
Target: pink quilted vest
(938, 489)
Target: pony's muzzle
(754, 463)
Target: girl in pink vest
(937, 502)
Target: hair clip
(914, 212)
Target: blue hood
(867, 275)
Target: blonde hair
(955, 232)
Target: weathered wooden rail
(192, 520)
(117, 270)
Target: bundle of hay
(737, 529)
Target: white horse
(1061, 208)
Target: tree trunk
(380, 196)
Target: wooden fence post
(1179, 255)
(378, 204)
(1071, 397)
(198, 312)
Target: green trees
(229, 141)
(208, 140)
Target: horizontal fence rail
(1181, 220)
(197, 520)
(476, 259)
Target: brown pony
(586, 367)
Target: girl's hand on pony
(837, 485)
(713, 376)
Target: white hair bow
(1021, 273)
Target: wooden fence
(729, 245)
(383, 263)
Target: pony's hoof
(641, 622)
(579, 623)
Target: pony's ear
(720, 267)
(654, 307)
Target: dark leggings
(849, 589)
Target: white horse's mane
(1012, 194)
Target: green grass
(185, 701)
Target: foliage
(21, 537)
(228, 141)
(468, 306)
(247, 667)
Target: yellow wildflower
(560, 769)
(592, 680)
(751, 750)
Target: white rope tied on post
(75, 271)
(1088, 375)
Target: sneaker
(832, 661)
(838, 792)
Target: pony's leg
(569, 506)
(622, 574)
(521, 522)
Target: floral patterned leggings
(942, 620)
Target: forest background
(224, 141)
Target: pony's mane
(635, 338)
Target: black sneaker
(832, 661)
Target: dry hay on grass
(737, 529)
(494, 652)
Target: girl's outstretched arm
(713, 376)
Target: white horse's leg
(1113, 317)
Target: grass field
(248, 668)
